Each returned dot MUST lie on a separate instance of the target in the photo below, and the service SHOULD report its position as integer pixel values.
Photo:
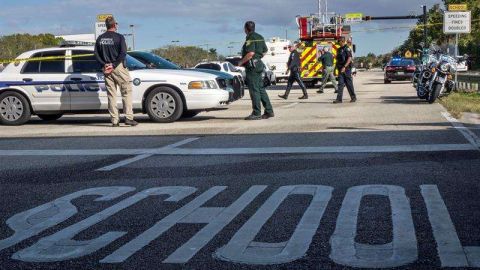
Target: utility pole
(425, 21)
(132, 27)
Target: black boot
(283, 96)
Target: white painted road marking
(144, 156)
(246, 151)
(216, 220)
(450, 249)
(243, 249)
(401, 251)
(60, 246)
(468, 134)
(34, 221)
(290, 105)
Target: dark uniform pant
(295, 77)
(345, 79)
(258, 94)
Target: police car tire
(435, 93)
(26, 114)
(387, 81)
(177, 100)
(50, 117)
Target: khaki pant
(119, 78)
(329, 75)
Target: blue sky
(218, 23)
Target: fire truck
(323, 29)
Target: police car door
(87, 91)
(45, 81)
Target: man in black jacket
(344, 65)
(111, 52)
(293, 66)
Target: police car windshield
(134, 64)
(401, 62)
(153, 60)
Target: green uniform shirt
(327, 59)
(254, 43)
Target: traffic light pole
(423, 17)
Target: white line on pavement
(245, 151)
(468, 134)
(124, 163)
(290, 105)
(147, 154)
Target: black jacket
(294, 61)
(111, 48)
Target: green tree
(468, 43)
(187, 56)
(13, 45)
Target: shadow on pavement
(403, 100)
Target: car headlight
(444, 67)
(202, 85)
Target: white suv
(69, 80)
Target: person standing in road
(344, 66)
(111, 52)
(252, 52)
(293, 65)
(328, 69)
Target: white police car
(69, 80)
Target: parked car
(234, 60)
(221, 66)
(268, 76)
(225, 80)
(74, 83)
(399, 69)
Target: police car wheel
(164, 105)
(49, 117)
(14, 109)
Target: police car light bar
(73, 43)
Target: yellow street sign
(408, 54)
(457, 7)
(353, 17)
(103, 17)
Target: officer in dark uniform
(344, 66)
(252, 52)
(293, 65)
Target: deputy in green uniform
(252, 52)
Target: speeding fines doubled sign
(457, 22)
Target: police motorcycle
(441, 81)
(423, 74)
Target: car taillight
(390, 68)
(411, 68)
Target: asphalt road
(387, 182)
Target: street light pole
(425, 21)
(132, 27)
